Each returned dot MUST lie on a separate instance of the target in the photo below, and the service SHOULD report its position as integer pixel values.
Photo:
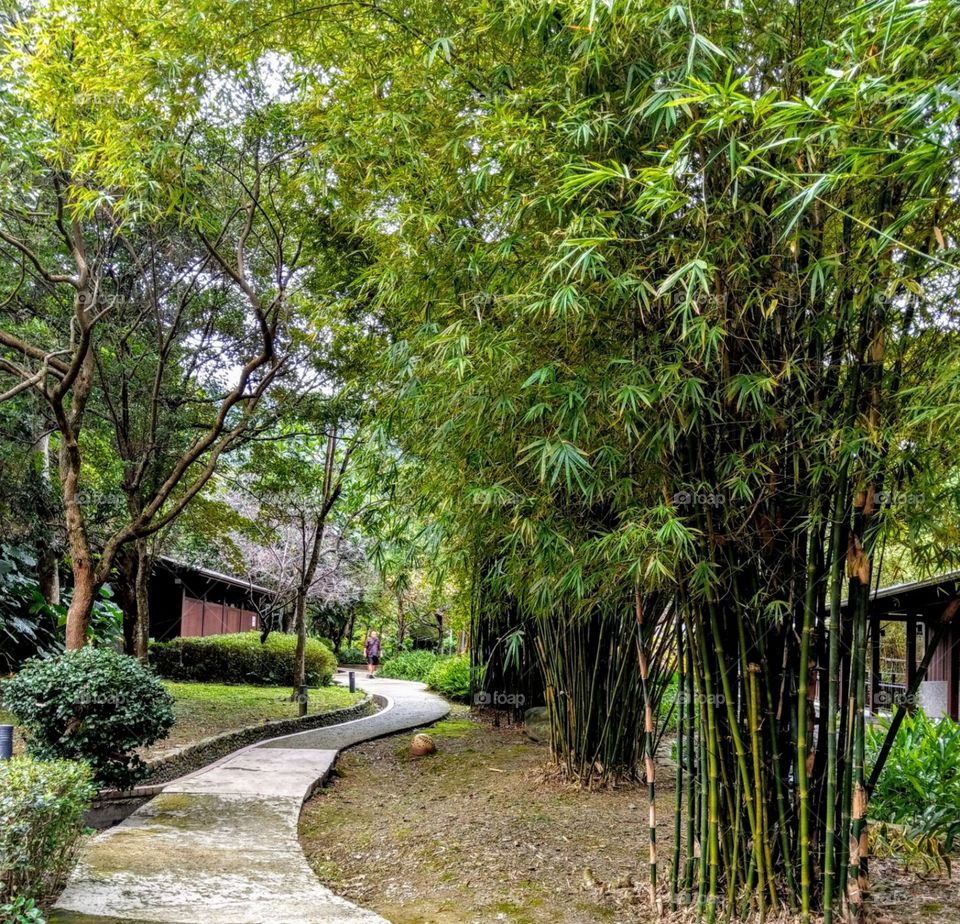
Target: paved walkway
(220, 846)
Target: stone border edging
(195, 756)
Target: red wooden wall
(200, 617)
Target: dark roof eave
(218, 576)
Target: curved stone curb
(220, 846)
(203, 753)
(113, 805)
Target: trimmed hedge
(92, 704)
(41, 821)
(241, 658)
(410, 665)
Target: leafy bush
(919, 786)
(92, 704)
(29, 625)
(41, 820)
(106, 620)
(451, 677)
(27, 622)
(241, 658)
(926, 856)
(352, 656)
(22, 911)
(410, 665)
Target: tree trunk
(337, 638)
(309, 573)
(48, 566)
(85, 591)
(48, 573)
(401, 623)
(300, 627)
(85, 584)
(141, 641)
(126, 592)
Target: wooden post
(953, 675)
(911, 651)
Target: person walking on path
(371, 648)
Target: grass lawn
(206, 709)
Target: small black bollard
(6, 742)
(352, 677)
(302, 697)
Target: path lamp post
(6, 742)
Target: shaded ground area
(206, 709)
(478, 833)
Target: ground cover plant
(919, 786)
(409, 665)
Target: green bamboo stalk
(803, 783)
(833, 673)
(713, 783)
(856, 881)
(781, 799)
(741, 758)
(692, 778)
(650, 768)
(678, 785)
(753, 701)
(704, 814)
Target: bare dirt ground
(479, 833)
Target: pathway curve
(220, 846)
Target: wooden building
(188, 601)
(920, 607)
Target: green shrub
(410, 665)
(451, 677)
(241, 658)
(919, 786)
(41, 820)
(92, 704)
(352, 656)
(22, 911)
(28, 624)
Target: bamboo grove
(671, 297)
(673, 292)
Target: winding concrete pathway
(220, 846)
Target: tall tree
(159, 250)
